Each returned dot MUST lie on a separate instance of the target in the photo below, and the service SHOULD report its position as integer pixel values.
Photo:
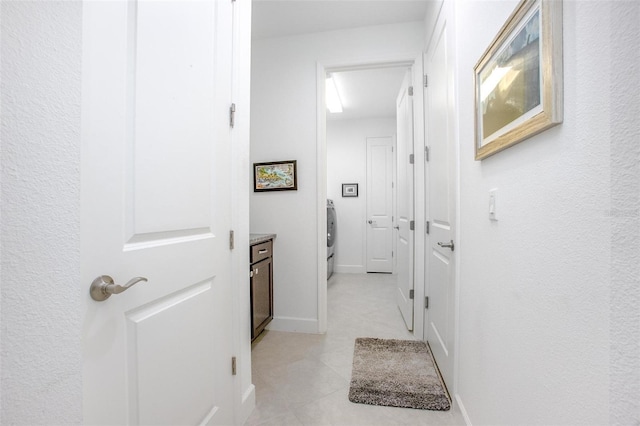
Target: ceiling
(278, 18)
(365, 93)
(369, 93)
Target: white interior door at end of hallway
(156, 203)
(380, 204)
(404, 108)
(441, 194)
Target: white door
(440, 254)
(404, 108)
(156, 204)
(380, 204)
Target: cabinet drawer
(261, 251)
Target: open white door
(156, 204)
(404, 108)
(380, 204)
(441, 193)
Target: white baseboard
(247, 404)
(296, 325)
(350, 269)
(463, 411)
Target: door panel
(440, 262)
(379, 204)
(180, 319)
(404, 169)
(171, 70)
(156, 203)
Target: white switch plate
(493, 196)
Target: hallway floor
(303, 379)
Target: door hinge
(412, 225)
(231, 240)
(410, 90)
(426, 302)
(411, 158)
(428, 226)
(411, 294)
(232, 115)
(234, 369)
(426, 153)
(426, 81)
(392, 254)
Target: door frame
(244, 389)
(414, 60)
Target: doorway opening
(358, 147)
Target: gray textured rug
(396, 373)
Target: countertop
(260, 238)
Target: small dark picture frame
(349, 189)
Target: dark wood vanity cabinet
(261, 286)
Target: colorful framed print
(275, 176)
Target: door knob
(397, 227)
(103, 287)
(370, 221)
(447, 245)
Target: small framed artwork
(518, 79)
(275, 176)
(349, 189)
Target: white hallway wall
(549, 295)
(283, 127)
(347, 163)
(41, 359)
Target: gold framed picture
(518, 79)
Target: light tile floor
(303, 379)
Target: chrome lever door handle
(447, 245)
(103, 287)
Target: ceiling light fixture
(332, 98)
